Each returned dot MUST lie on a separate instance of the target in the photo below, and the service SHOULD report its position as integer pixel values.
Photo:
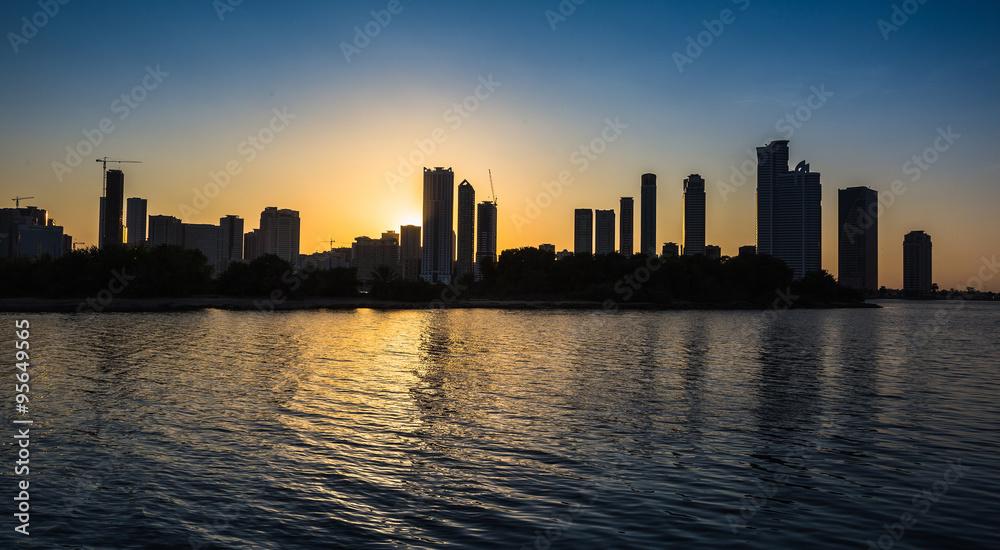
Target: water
(512, 429)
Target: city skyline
(912, 105)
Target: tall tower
(694, 215)
(583, 231)
(466, 229)
(486, 234)
(232, 240)
(439, 202)
(627, 224)
(647, 231)
(857, 253)
(917, 276)
(135, 221)
(789, 210)
(604, 230)
(279, 233)
(114, 197)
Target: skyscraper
(135, 221)
(232, 240)
(917, 275)
(164, 230)
(857, 256)
(251, 245)
(627, 207)
(583, 231)
(647, 230)
(409, 252)
(694, 215)
(439, 200)
(114, 197)
(604, 230)
(367, 255)
(789, 210)
(205, 238)
(486, 235)
(279, 233)
(466, 234)
(12, 220)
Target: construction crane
(105, 162)
(17, 201)
(492, 190)
(76, 243)
(331, 241)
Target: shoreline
(199, 303)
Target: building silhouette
(439, 200)
(11, 222)
(111, 227)
(409, 252)
(547, 248)
(917, 275)
(694, 215)
(232, 240)
(647, 223)
(583, 231)
(713, 252)
(604, 231)
(35, 241)
(165, 230)
(789, 210)
(205, 238)
(135, 221)
(279, 234)
(368, 254)
(857, 243)
(486, 235)
(671, 250)
(251, 245)
(748, 250)
(627, 226)
(466, 233)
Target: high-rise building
(857, 256)
(604, 231)
(367, 255)
(547, 248)
(671, 250)
(232, 240)
(11, 221)
(251, 245)
(583, 231)
(279, 233)
(409, 252)
(207, 239)
(36, 240)
(789, 210)
(438, 248)
(112, 231)
(627, 207)
(100, 226)
(165, 230)
(748, 250)
(647, 229)
(917, 275)
(486, 235)
(694, 215)
(135, 221)
(713, 252)
(466, 234)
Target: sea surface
(510, 429)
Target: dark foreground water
(501, 429)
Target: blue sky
(606, 60)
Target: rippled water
(513, 429)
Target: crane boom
(105, 162)
(492, 190)
(17, 201)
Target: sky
(334, 109)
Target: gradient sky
(557, 87)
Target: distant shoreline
(198, 303)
